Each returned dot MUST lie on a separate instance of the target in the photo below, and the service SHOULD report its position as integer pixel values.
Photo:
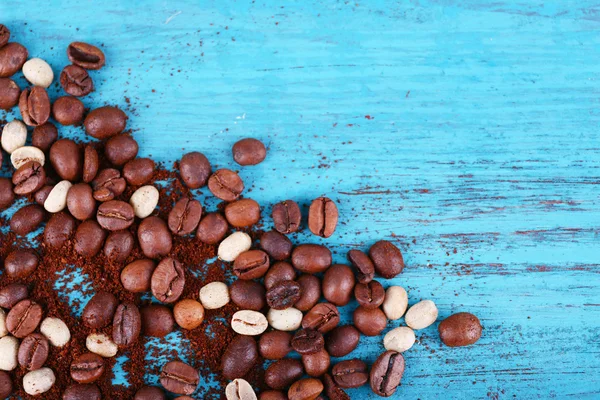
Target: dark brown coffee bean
(7, 197)
(91, 163)
(34, 105)
(322, 217)
(308, 341)
(121, 149)
(225, 185)
(150, 393)
(387, 259)
(272, 395)
(27, 219)
(277, 245)
(127, 324)
(68, 110)
(23, 318)
(369, 295)
(89, 238)
(29, 178)
(136, 276)
(249, 152)
(168, 281)
(332, 390)
(365, 270)
(240, 356)
(323, 317)
(194, 169)
(305, 389)
(12, 57)
(286, 216)
(108, 184)
(310, 292)
(248, 295)
(311, 258)
(12, 294)
(179, 378)
(316, 364)
(80, 201)
(44, 136)
(82, 391)
(100, 310)
(41, 195)
(338, 283)
(87, 368)
(85, 55)
(115, 215)
(66, 159)
(76, 81)
(21, 263)
(283, 373)
(242, 213)
(9, 93)
(139, 171)
(461, 329)
(342, 340)
(275, 345)
(185, 216)
(369, 321)
(105, 122)
(283, 295)
(386, 373)
(59, 229)
(118, 246)
(157, 320)
(4, 37)
(33, 352)
(154, 237)
(212, 228)
(6, 385)
(350, 373)
(251, 264)
(279, 272)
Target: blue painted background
(466, 131)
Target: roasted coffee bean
(76, 81)
(225, 185)
(316, 364)
(194, 169)
(277, 246)
(82, 391)
(179, 378)
(118, 246)
(127, 324)
(104, 122)
(248, 295)
(12, 57)
(283, 373)
(66, 159)
(212, 228)
(23, 318)
(338, 283)
(87, 368)
(154, 237)
(100, 310)
(29, 178)
(249, 151)
(41, 195)
(286, 216)
(85, 55)
(68, 110)
(188, 314)
(168, 281)
(283, 295)
(139, 171)
(27, 219)
(115, 215)
(272, 395)
(136, 276)
(421, 315)
(12, 294)
(185, 216)
(308, 341)
(279, 272)
(365, 270)
(275, 345)
(387, 259)
(157, 320)
(91, 163)
(305, 389)
(332, 390)
(242, 213)
(20, 263)
(322, 317)
(369, 321)
(34, 105)
(9, 93)
(108, 184)
(311, 258)
(59, 229)
(386, 373)
(461, 329)
(120, 149)
(44, 136)
(322, 217)
(251, 264)
(342, 340)
(310, 292)
(4, 37)
(33, 352)
(7, 196)
(369, 295)
(80, 201)
(350, 373)
(150, 393)
(240, 356)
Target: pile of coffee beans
(287, 296)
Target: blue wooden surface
(467, 132)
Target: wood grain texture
(466, 132)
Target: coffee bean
(387, 259)
(68, 110)
(34, 105)
(23, 318)
(118, 246)
(127, 324)
(38, 381)
(4, 37)
(104, 122)
(311, 258)
(369, 321)
(242, 213)
(272, 395)
(283, 373)
(234, 245)
(365, 270)
(29, 178)
(44, 136)
(338, 283)
(275, 345)
(115, 215)
(6, 193)
(399, 339)
(251, 264)
(11, 294)
(9, 93)
(248, 295)
(195, 169)
(101, 344)
(212, 228)
(57, 198)
(308, 341)
(80, 201)
(168, 281)
(322, 217)
(9, 348)
(38, 72)
(310, 292)
(90, 164)
(305, 389)
(87, 368)
(316, 364)
(277, 246)
(59, 229)
(286, 216)
(27, 219)
(283, 295)
(135, 277)
(108, 184)
(179, 378)
(144, 200)
(421, 315)
(157, 320)
(185, 216)
(139, 171)
(386, 373)
(342, 340)
(99, 311)
(66, 159)
(82, 391)
(41, 195)
(24, 154)
(188, 314)
(322, 317)
(214, 295)
(350, 373)
(76, 81)
(6, 385)
(12, 57)
(395, 302)
(33, 352)
(154, 237)
(279, 272)
(369, 295)
(239, 389)
(56, 331)
(460, 329)
(240, 356)
(150, 393)
(21, 263)
(85, 55)
(332, 390)
(249, 152)
(120, 149)
(225, 185)
(14, 135)
(248, 322)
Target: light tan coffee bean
(57, 198)
(38, 381)
(421, 315)
(214, 295)
(249, 323)
(395, 303)
(234, 245)
(144, 201)
(289, 319)
(38, 72)
(399, 339)
(14, 135)
(101, 344)
(239, 389)
(3, 329)
(56, 331)
(9, 348)
(24, 154)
